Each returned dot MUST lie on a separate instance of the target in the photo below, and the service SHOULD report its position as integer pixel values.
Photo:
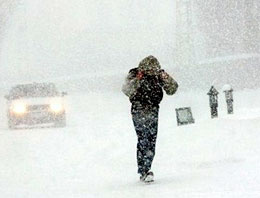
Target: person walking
(144, 86)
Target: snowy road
(94, 156)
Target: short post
(213, 102)
(229, 98)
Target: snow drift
(95, 155)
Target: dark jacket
(148, 89)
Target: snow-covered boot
(142, 177)
(149, 177)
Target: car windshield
(33, 90)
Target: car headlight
(56, 107)
(19, 108)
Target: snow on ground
(94, 156)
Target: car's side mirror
(7, 97)
(64, 93)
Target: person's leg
(151, 128)
(146, 125)
(138, 121)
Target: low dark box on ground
(184, 116)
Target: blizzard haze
(86, 47)
(53, 38)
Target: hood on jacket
(150, 64)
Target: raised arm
(170, 86)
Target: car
(35, 104)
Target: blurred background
(87, 45)
(86, 48)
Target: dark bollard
(213, 102)
(229, 98)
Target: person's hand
(139, 75)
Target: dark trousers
(146, 124)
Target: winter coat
(147, 89)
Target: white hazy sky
(55, 38)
